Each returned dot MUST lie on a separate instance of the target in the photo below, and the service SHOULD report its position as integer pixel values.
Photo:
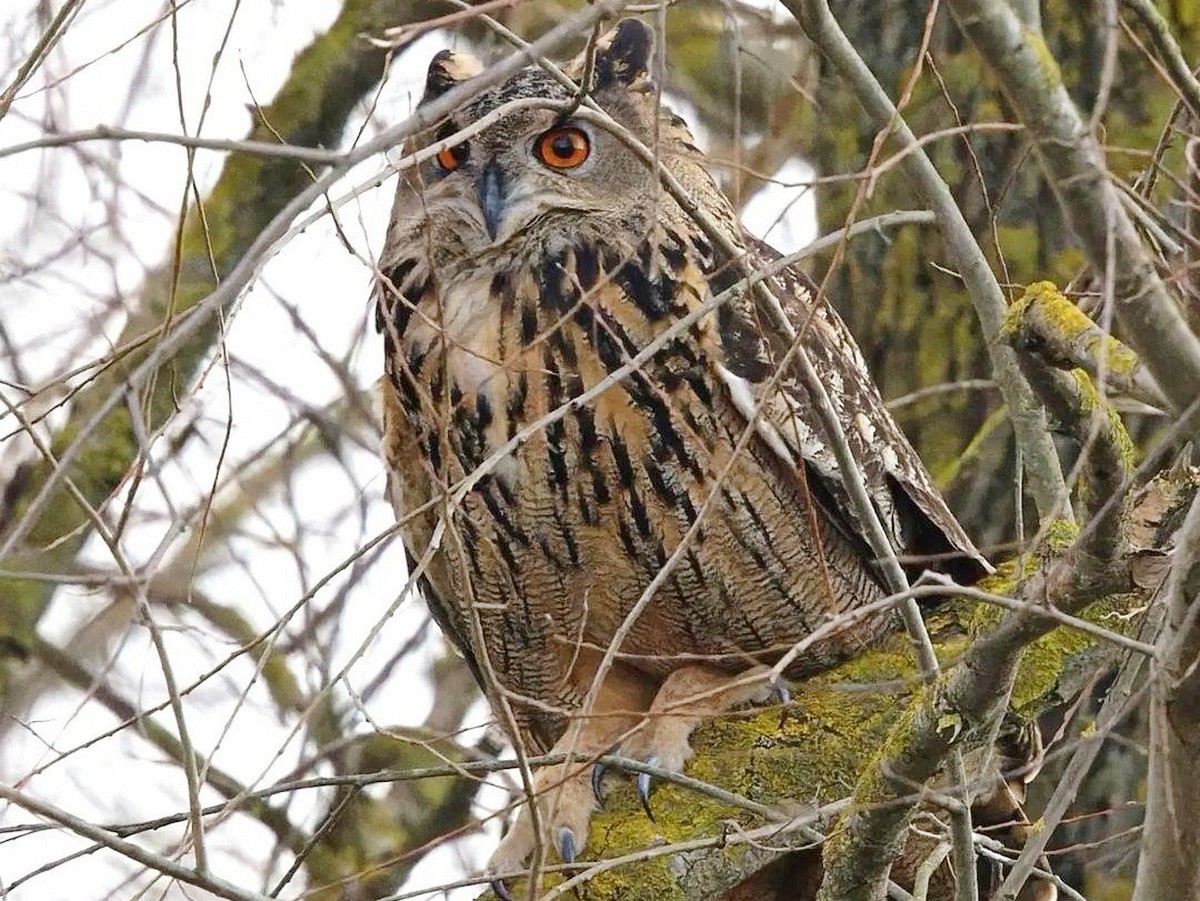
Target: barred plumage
(509, 290)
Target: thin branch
(934, 390)
(157, 862)
(44, 45)
(1074, 165)
(1182, 77)
(1114, 709)
(1041, 462)
(875, 224)
(113, 133)
(74, 674)
(402, 34)
(196, 317)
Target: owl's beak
(491, 196)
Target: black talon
(643, 788)
(501, 890)
(566, 844)
(780, 691)
(597, 778)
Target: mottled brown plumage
(510, 288)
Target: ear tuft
(623, 55)
(447, 69)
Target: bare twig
(189, 323)
(132, 851)
(1114, 709)
(1045, 475)
(44, 45)
(1182, 77)
(1075, 167)
(112, 133)
(1169, 866)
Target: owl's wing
(398, 453)
(919, 524)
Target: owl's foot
(687, 697)
(565, 804)
(564, 808)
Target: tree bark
(839, 725)
(1169, 866)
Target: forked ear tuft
(447, 69)
(623, 55)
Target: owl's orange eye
(450, 158)
(563, 148)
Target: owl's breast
(595, 473)
(460, 325)
(447, 357)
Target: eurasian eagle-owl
(686, 515)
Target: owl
(617, 493)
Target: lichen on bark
(839, 722)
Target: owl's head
(539, 176)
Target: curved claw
(501, 890)
(643, 787)
(597, 780)
(780, 691)
(566, 844)
(783, 696)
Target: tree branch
(326, 82)
(1169, 866)
(1041, 462)
(1045, 323)
(700, 847)
(157, 862)
(99, 443)
(1160, 33)
(1074, 164)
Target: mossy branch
(1045, 474)
(971, 699)
(1055, 335)
(1074, 164)
(870, 715)
(1045, 323)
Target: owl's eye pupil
(450, 158)
(564, 147)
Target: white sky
(61, 301)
